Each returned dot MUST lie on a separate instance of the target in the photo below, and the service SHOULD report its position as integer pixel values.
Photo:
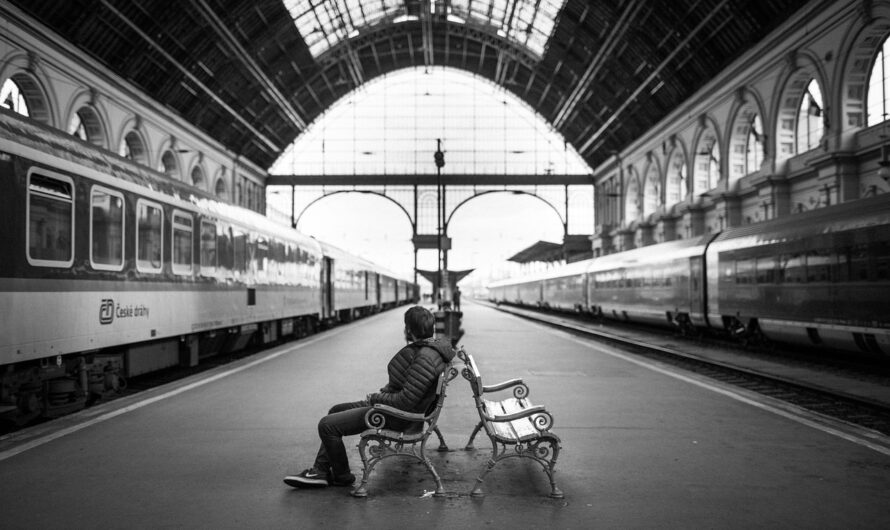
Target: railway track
(812, 387)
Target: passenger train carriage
(110, 270)
(817, 278)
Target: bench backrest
(471, 374)
(435, 407)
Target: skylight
(325, 23)
(391, 127)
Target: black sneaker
(310, 478)
(346, 479)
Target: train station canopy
(540, 251)
(254, 74)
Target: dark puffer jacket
(413, 373)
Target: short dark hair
(420, 322)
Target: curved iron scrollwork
(375, 419)
(520, 391)
(542, 421)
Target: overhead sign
(431, 241)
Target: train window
(208, 248)
(262, 254)
(766, 269)
(240, 246)
(793, 268)
(727, 267)
(744, 271)
(183, 228)
(50, 238)
(149, 236)
(881, 253)
(819, 265)
(858, 260)
(278, 257)
(106, 229)
(225, 251)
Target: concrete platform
(643, 447)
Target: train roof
(652, 254)
(568, 269)
(861, 213)
(338, 253)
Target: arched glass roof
(390, 126)
(325, 23)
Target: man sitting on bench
(413, 374)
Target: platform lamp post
(439, 157)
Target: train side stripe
(30, 285)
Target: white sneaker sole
(302, 482)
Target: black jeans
(345, 419)
(342, 420)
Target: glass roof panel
(324, 23)
(391, 124)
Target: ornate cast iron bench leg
(362, 489)
(546, 455)
(469, 446)
(549, 464)
(477, 488)
(443, 447)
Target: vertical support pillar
(293, 201)
(439, 158)
(414, 233)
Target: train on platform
(110, 270)
(819, 278)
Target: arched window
(632, 200)
(12, 98)
(651, 191)
(676, 182)
(707, 163)
(169, 166)
(879, 86)
(133, 147)
(21, 93)
(220, 188)
(810, 124)
(198, 177)
(754, 145)
(86, 125)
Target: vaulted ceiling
(242, 72)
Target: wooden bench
(379, 442)
(515, 426)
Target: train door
(696, 291)
(367, 282)
(327, 288)
(377, 290)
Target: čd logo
(106, 311)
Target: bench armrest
(501, 386)
(376, 417)
(542, 420)
(520, 389)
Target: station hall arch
(381, 139)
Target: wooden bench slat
(516, 429)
